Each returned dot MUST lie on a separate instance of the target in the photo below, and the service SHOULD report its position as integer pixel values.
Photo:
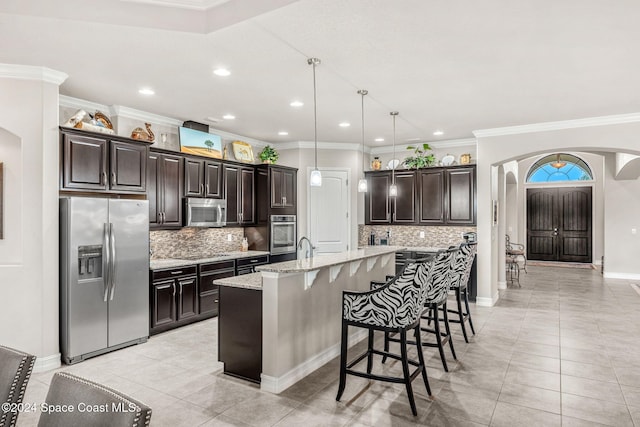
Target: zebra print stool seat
(393, 307)
(437, 298)
(459, 282)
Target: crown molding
(559, 125)
(468, 142)
(235, 137)
(81, 104)
(132, 113)
(321, 146)
(31, 72)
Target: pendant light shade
(315, 179)
(558, 164)
(362, 183)
(393, 188)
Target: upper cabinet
(240, 194)
(276, 190)
(202, 178)
(164, 190)
(106, 163)
(430, 196)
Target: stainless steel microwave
(205, 212)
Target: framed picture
(200, 143)
(242, 151)
(495, 212)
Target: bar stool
(459, 282)
(438, 298)
(394, 307)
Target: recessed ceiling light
(146, 91)
(296, 103)
(379, 140)
(283, 133)
(228, 117)
(344, 125)
(438, 133)
(222, 72)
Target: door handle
(207, 189)
(173, 285)
(103, 178)
(113, 178)
(106, 261)
(113, 262)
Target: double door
(202, 178)
(384, 209)
(174, 297)
(559, 224)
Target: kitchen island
(301, 304)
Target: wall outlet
(422, 234)
(229, 237)
(634, 231)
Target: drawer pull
(176, 272)
(216, 300)
(254, 260)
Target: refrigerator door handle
(112, 239)
(106, 261)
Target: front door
(328, 213)
(559, 224)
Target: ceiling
(455, 66)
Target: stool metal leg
(448, 330)
(466, 303)
(436, 324)
(370, 352)
(421, 358)
(461, 314)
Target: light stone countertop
(245, 281)
(320, 261)
(159, 264)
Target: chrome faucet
(311, 247)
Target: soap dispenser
(245, 244)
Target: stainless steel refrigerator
(104, 275)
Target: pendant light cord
(315, 116)
(393, 170)
(362, 93)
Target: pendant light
(558, 164)
(393, 189)
(362, 183)
(315, 179)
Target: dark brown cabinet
(240, 195)
(384, 209)
(461, 196)
(202, 178)
(209, 293)
(430, 196)
(91, 162)
(173, 298)
(164, 189)
(431, 200)
(283, 189)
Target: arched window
(559, 167)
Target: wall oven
(283, 234)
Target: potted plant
(420, 158)
(268, 155)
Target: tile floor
(561, 349)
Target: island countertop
(245, 281)
(320, 261)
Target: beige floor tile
(508, 415)
(531, 397)
(588, 370)
(609, 391)
(533, 378)
(595, 410)
(264, 410)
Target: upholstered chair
(94, 405)
(459, 283)
(15, 371)
(393, 307)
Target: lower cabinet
(209, 293)
(173, 298)
(247, 265)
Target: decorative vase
(267, 162)
(465, 159)
(376, 164)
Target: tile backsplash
(192, 241)
(409, 235)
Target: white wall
(610, 134)
(29, 254)
(622, 214)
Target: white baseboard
(626, 276)
(488, 302)
(502, 285)
(47, 363)
(279, 384)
